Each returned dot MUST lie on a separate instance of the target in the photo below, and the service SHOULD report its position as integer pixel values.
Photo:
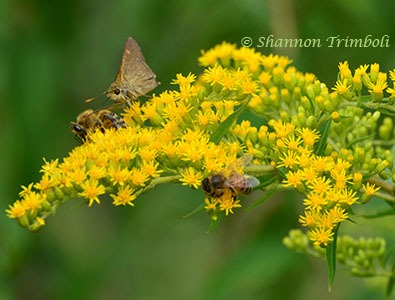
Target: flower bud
(286, 96)
(310, 91)
(357, 83)
(24, 221)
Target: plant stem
(156, 181)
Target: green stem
(156, 181)
(259, 169)
(364, 101)
(385, 196)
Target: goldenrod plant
(332, 145)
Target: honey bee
(216, 184)
(90, 120)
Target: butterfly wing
(135, 71)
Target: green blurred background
(53, 55)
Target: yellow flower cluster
(193, 131)
(350, 85)
(122, 163)
(326, 181)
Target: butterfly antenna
(111, 106)
(89, 100)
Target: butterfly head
(118, 93)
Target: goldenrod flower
(376, 89)
(341, 178)
(50, 168)
(138, 177)
(348, 197)
(362, 70)
(322, 163)
(310, 218)
(294, 179)
(320, 185)
(191, 178)
(374, 68)
(309, 174)
(292, 142)
(16, 210)
(228, 203)
(289, 160)
(125, 195)
(391, 91)
(183, 81)
(211, 204)
(33, 201)
(321, 236)
(308, 136)
(369, 189)
(315, 200)
(344, 70)
(92, 190)
(342, 87)
(215, 75)
(40, 221)
(337, 214)
(222, 51)
(305, 159)
(45, 183)
(119, 175)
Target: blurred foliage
(53, 55)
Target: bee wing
(234, 181)
(246, 159)
(240, 163)
(228, 184)
(252, 180)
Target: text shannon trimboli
(337, 41)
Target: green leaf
(223, 128)
(388, 212)
(197, 209)
(267, 195)
(283, 172)
(331, 259)
(266, 180)
(324, 132)
(390, 284)
(389, 256)
(386, 111)
(359, 140)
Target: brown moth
(135, 78)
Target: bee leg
(234, 194)
(99, 125)
(80, 139)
